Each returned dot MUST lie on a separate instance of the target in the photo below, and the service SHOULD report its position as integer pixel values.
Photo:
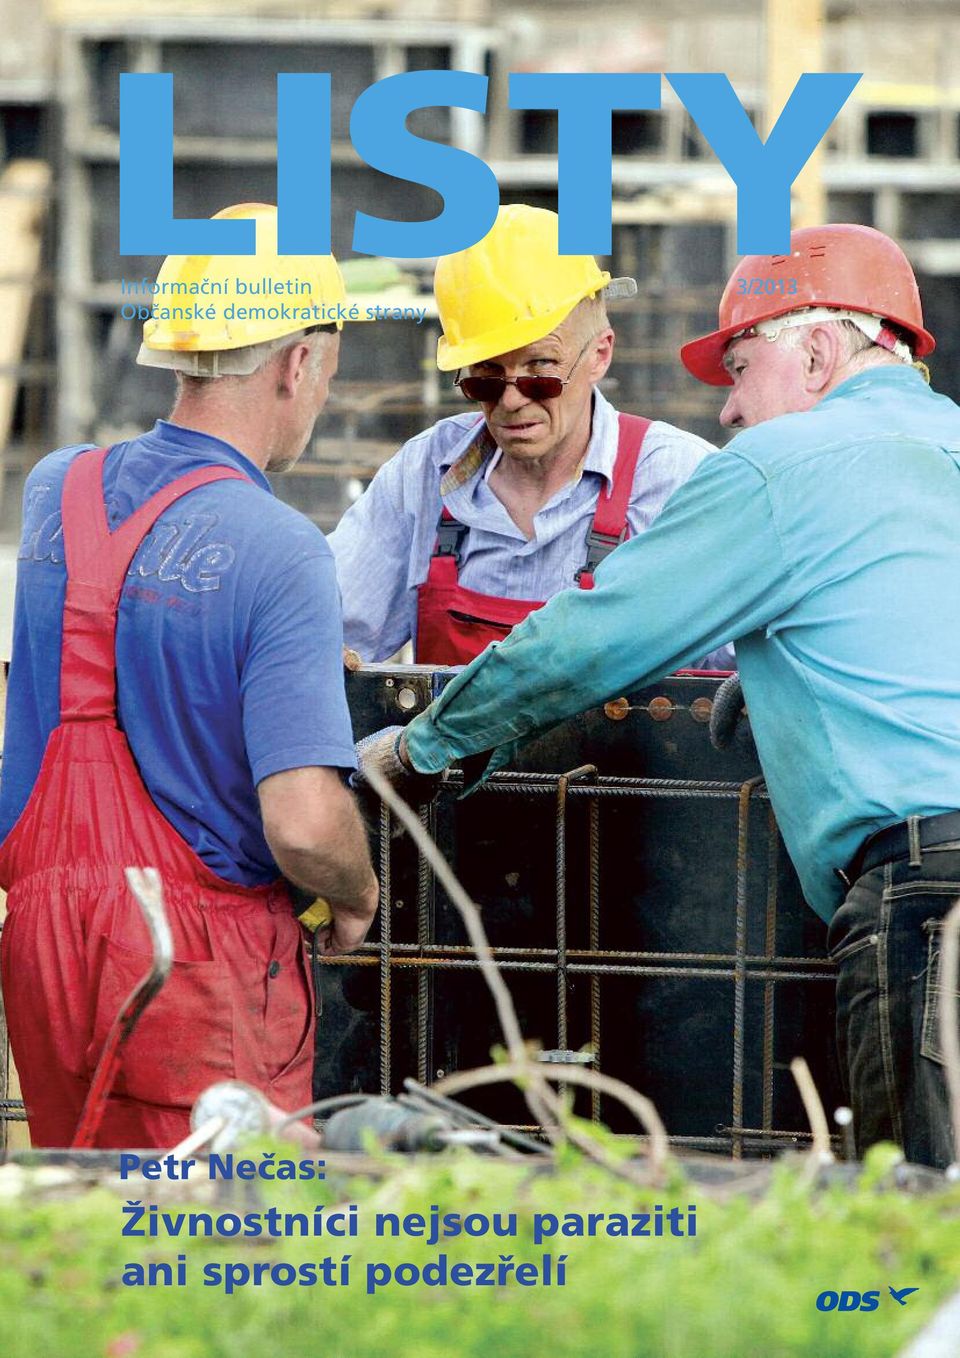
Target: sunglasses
(489, 390)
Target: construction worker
(827, 548)
(176, 700)
(478, 520)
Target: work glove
(380, 751)
(728, 708)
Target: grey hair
(855, 342)
(588, 317)
(255, 359)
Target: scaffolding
(891, 160)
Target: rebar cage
(639, 902)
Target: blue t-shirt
(229, 662)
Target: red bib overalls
(237, 1003)
(455, 624)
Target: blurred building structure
(891, 160)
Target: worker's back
(858, 668)
(218, 673)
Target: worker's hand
(727, 709)
(384, 751)
(343, 935)
(348, 927)
(351, 660)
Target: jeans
(885, 939)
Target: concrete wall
(24, 43)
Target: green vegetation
(744, 1287)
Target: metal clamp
(599, 546)
(450, 535)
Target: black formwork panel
(641, 908)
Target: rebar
(740, 951)
(594, 939)
(606, 786)
(506, 952)
(424, 895)
(563, 784)
(537, 1094)
(586, 968)
(769, 951)
(558, 960)
(386, 1011)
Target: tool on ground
(396, 1126)
(148, 893)
(230, 1111)
(469, 1117)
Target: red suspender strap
(611, 516)
(97, 562)
(444, 568)
(609, 527)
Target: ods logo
(861, 1301)
(848, 1301)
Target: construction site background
(891, 159)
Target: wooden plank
(24, 192)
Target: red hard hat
(844, 266)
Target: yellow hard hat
(512, 287)
(252, 299)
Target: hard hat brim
(703, 357)
(517, 335)
(236, 283)
(520, 333)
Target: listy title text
(763, 172)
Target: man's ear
(823, 357)
(602, 354)
(292, 368)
